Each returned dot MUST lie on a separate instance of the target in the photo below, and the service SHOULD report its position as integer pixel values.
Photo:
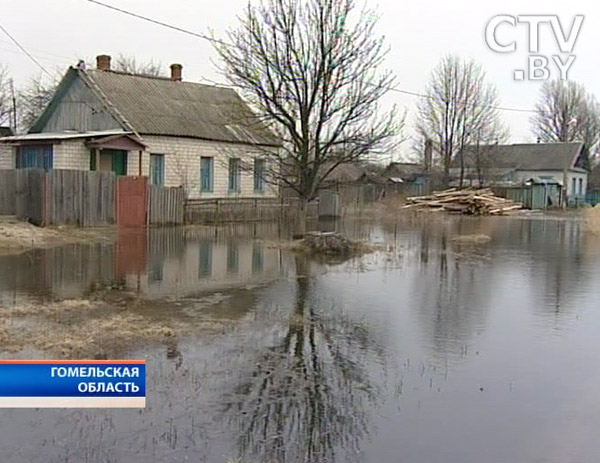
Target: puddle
(435, 348)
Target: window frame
(211, 175)
(259, 177)
(234, 176)
(155, 157)
(44, 156)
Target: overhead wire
(31, 57)
(212, 39)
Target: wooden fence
(165, 206)
(232, 210)
(7, 192)
(87, 199)
(80, 198)
(24, 194)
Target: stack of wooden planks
(465, 201)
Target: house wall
(521, 176)
(79, 109)
(71, 154)
(555, 176)
(182, 165)
(7, 156)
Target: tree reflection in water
(307, 399)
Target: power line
(24, 51)
(210, 39)
(42, 58)
(500, 108)
(160, 23)
(39, 50)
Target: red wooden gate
(132, 201)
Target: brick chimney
(176, 72)
(103, 62)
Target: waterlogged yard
(459, 340)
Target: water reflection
(431, 349)
(308, 397)
(172, 262)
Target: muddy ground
(18, 236)
(109, 323)
(592, 219)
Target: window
(35, 157)
(93, 159)
(259, 175)
(206, 174)
(157, 169)
(234, 175)
(574, 187)
(581, 186)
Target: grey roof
(160, 106)
(404, 170)
(529, 156)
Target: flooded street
(432, 349)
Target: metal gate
(132, 201)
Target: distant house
(406, 172)
(353, 173)
(563, 164)
(177, 133)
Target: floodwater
(431, 350)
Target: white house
(202, 137)
(552, 163)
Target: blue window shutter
(234, 175)
(47, 157)
(206, 174)
(157, 169)
(259, 175)
(35, 157)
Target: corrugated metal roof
(529, 156)
(159, 106)
(406, 170)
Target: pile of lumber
(465, 201)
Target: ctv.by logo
(538, 65)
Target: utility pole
(14, 106)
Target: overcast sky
(419, 33)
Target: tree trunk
(302, 216)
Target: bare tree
(5, 96)
(567, 112)
(459, 108)
(311, 71)
(131, 65)
(32, 99)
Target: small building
(406, 172)
(203, 138)
(5, 131)
(564, 165)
